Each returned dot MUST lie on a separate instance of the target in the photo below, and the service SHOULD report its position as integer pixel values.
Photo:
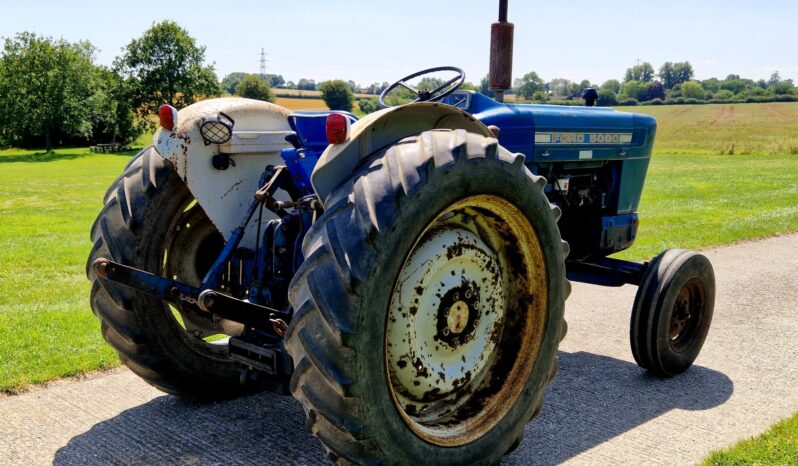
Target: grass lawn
(779, 445)
(47, 204)
(693, 198)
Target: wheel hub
(439, 338)
(458, 317)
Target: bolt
(446, 331)
(102, 268)
(476, 304)
(456, 297)
(208, 301)
(468, 294)
(446, 312)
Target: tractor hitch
(189, 298)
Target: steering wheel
(426, 95)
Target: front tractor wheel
(430, 307)
(672, 312)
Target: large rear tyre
(430, 306)
(672, 312)
(150, 221)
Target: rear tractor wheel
(430, 307)
(150, 221)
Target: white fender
(258, 137)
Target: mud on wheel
(149, 220)
(430, 305)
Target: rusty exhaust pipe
(501, 54)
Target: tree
(540, 97)
(44, 87)
(613, 84)
(643, 72)
(306, 84)
(607, 98)
(692, 90)
(656, 90)
(672, 74)
(337, 95)
(230, 81)
(252, 86)
(165, 65)
(737, 85)
(711, 85)
(112, 116)
(784, 87)
(775, 78)
(561, 87)
(683, 71)
(527, 85)
(723, 95)
(636, 90)
(368, 105)
(584, 85)
(276, 80)
(667, 75)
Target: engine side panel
(595, 160)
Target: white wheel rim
(457, 364)
(466, 307)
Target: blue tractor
(402, 275)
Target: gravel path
(601, 409)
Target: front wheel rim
(466, 320)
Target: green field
(694, 197)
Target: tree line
(673, 83)
(52, 92)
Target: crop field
(305, 93)
(730, 129)
(299, 104)
(697, 195)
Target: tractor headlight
(217, 130)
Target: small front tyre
(672, 312)
(430, 307)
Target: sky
(376, 41)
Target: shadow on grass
(593, 399)
(74, 153)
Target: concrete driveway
(601, 409)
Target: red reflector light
(168, 116)
(337, 128)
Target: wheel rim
(466, 319)
(688, 310)
(191, 244)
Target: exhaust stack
(501, 54)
